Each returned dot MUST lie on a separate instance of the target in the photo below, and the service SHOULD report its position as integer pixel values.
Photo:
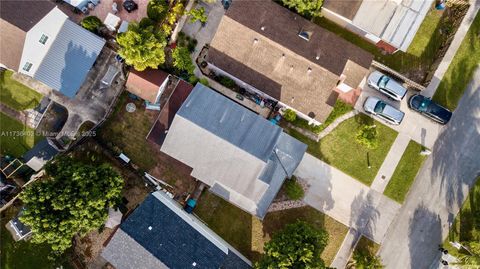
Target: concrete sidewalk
(346, 199)
(452, 50)
(390, 163)
(345, 251)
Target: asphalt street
(439, 190)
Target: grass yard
(16, 138)
(16, 95)
(405, 173)
(128, 132)
(418, 60)
(340, 149)
(461, 69)
(466, 226)
(367, 245)
(23, 254)
(248, 234)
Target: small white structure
(114, 218)
(112, 22)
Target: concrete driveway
(345, 199)
(439, 190)
(414, 125)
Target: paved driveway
(439, 189)
(345, 199)
(414, 125)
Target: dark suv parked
(428, 108)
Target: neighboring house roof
(160, 234)
(307, 71)
(243, 157)
(168, 111)
(395, 21)
(24, 14)
(17, 18)
(69, 59)
(40, 154)
(145, 84)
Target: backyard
(419, 62)
(248, 234)
(16, 95)
(341, 150)
(127, 132)
(16, 138)
(461, 69)
(23, 254)
(405, 173)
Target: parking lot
(418, 127)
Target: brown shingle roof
(278, 54)
(283, 26)
(145, 84)
(11, 44)
(24, 14)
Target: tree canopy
(309, 8)
(142, 47)
(73, 198)
(182, 60)
(367, 136)
(157, 10)
(299, 245)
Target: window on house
(43, 39)
(27, 66)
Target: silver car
(386, 85)
(379, 108)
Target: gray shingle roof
(159, 234)
(242, 157)
(69, 59)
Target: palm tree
(472, 259)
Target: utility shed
(40, 154)
(160, 234)
(242, 157)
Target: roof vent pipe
(262, 28)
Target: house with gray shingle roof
(160, 234)
(39, 40)
(240, 155)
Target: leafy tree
(289, 115)
(142, 47)
(198, 14)
(367, 136)
(91, 23)
(309, 8)
(73, 198)
(176, 12)
(471, 259)
(299, 245)
(182, 60)
(157, 10)
(293, 189)
(363, 259)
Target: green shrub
(91, 23)
(367, 136)
(289, 115)
(145, 22)
(157, 10)
(293, 189)
(193, 80)
(204, 81)
(226, 81)
(198, 14)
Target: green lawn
(466, 226)
(405, 172)
(16, 95)
(16, 138)
(367, 245)
(421, 53)
(248, 234)
(460, 71)
(128, 132)
(23, 254)
(339, 109)
(340, 149)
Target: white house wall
(33, 50)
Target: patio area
(104, 7)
